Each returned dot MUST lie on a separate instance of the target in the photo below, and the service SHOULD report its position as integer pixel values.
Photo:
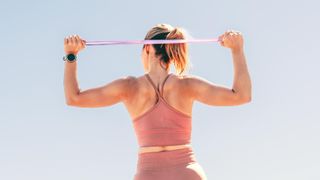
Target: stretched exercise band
(170, 41)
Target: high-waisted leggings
(178, 164)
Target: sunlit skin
(137, 93)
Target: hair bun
(172, 52)
(176, 33)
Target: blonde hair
(178, 52)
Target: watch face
(71, 57)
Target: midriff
(162, 148)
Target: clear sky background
(276, 136)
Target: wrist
(70, 58)
(71, 52)
(237, 50)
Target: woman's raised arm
(106, 95)
(212, 94)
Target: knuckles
(74, 43)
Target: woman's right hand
(232, 39)
(73, 44)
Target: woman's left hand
(73, 44)
(232, 39)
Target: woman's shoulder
(185, 79)
(188, 79)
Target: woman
(160, 103)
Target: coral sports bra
(162, 124)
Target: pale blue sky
(275, 137)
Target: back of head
(176, 53)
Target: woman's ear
(147, 48)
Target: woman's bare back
(145, 96)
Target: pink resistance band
(170, 41)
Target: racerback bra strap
(154, 86)
(163, 84)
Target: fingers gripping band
(171, 41)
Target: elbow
(71, 101)
(242, 99)
(245, 99)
